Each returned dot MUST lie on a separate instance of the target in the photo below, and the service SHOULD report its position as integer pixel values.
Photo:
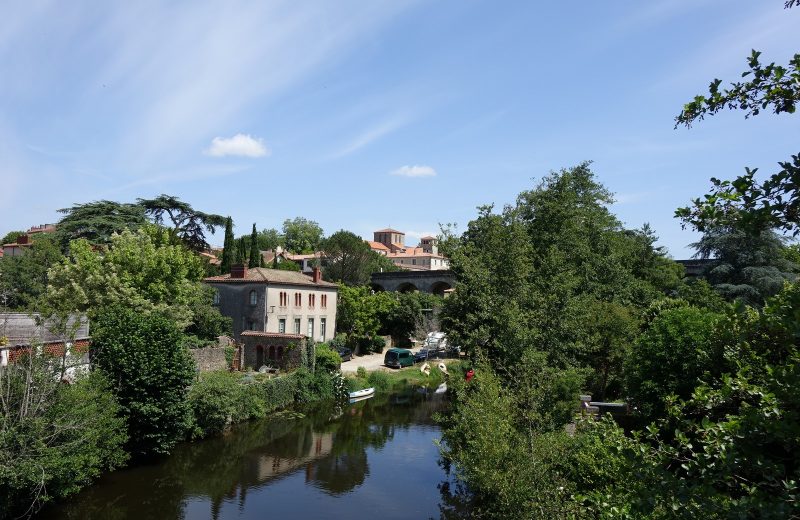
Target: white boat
(362, 393)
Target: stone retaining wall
(209, 358)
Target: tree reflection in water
(328, 443)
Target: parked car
(345, 353)
(398, 358)
(422, 355)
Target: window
(216, 297)
(253, 297)
(282, 326)
(298, 299)
(251, 325)
(323, 301)
(323, 322)
(311, 300)
(310, 328)
(414, 261)
(284, 299)
(297, 325)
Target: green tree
(11, 237)
(348, 258)
(54, 438)
(269, 239)
(255, 254)
(748, 266)
(670, 358)
(151, 371)
(23, 278)
(301, 235)
(228, 248)
(98, 221)
(188, 224)
(142, 271)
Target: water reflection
(327, 449)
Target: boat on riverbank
(358, 395)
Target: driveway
(370, 362)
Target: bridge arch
(407, 287)
(439, 288)
(376, 287)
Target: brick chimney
(22, 239)
(238, 271)
(316, 275)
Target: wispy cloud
(370, 135)
(414, 171)
(240, 145)
(418, 235)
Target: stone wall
(209, 358)
(283, 351)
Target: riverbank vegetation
(401, 379)
(555, 297)
(578, 304)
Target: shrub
(54, 449)
(339, 341)
(379, 380)
(669, 358)
(221, 398)
(361, 372)
(327, 359)
(229, 353)
(279, 392)
(151, 371)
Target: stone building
(424, 257)
(276, 302)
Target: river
(372, 459)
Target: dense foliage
(24, 278)
(348, 259)
(301, 235)
(554, 298)
(363, 316)
(150, 372)
(142, 271)
(54, 438)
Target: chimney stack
(22, 239)
(238, 271)
(317, 275)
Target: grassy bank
(397, 380)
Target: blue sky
(362, 115)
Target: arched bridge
(434, 282)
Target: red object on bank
(470, 375)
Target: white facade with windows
(282, 302)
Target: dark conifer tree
(229, 248)
(255, 254)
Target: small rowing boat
(362, 393)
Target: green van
(398, 358)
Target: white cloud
(240, 145)
(414, 171)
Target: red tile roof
(376, 245)
(272, 334)
(270, 276)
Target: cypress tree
(241, 250)
(228, 248)
(254, 252)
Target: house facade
(277, 302)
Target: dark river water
(372, 459)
